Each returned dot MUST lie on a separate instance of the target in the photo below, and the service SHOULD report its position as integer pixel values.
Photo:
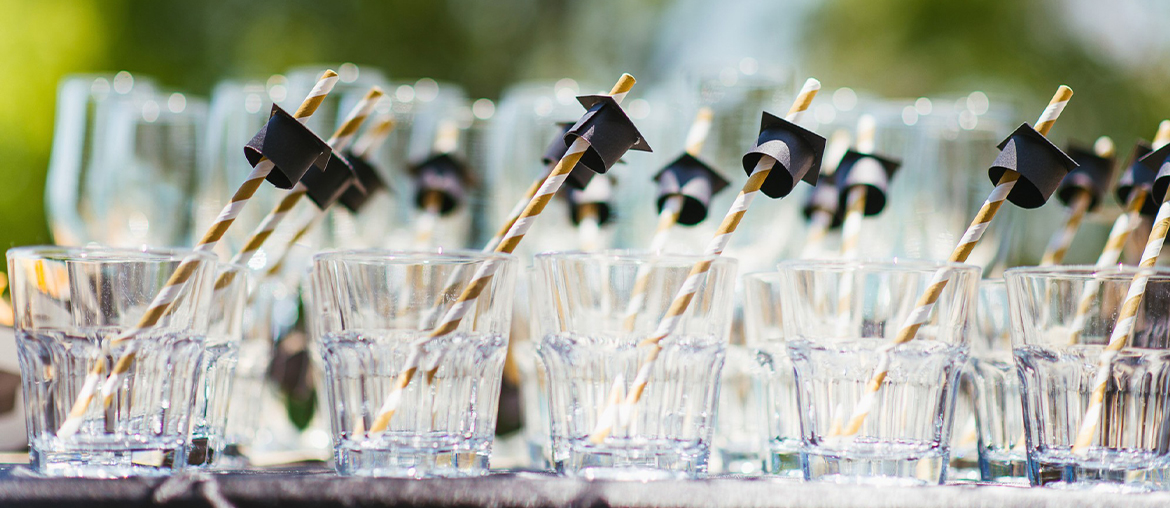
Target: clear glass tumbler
(593, 320)
(841, 319)
(1062, 319)
(71, 306)
(373, 312)
(217, 369)
(1000, 420)
(764, 332)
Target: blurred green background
(1113, 54)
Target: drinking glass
(764, 330)
(71, 303)
(999, 418)
(1062, 318)
(217, 368)
(592, 347)
(841, 318)
(371, 309)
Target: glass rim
(119, 254)
(633, 255)
(1095, 272)
(890, 264)
(765, 276)
(409, 256)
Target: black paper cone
(1159, 159)
(327, 186)
(608, 130)
(599, 193)
(1041, 165)
(825, 197)
(291, 147)
(797, 151)
(354, 197)
(1138, 175)
(1092, 175)
(695, 181)
(442, 174)
(865, 170)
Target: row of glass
(413, 363)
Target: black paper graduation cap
(1041, 165)
(291, 147)
(354, 198)
(867, 170)
(608, 130)
(1159, 160)
(1138, 175)
(1092, 175)
(825, 197)
(695, 181)
(599, 193)
(797, 151)
(325, 187)
(443, 174)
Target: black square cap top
(694, 181)
(1138, 175)
(1041, 165)
(608, 130)
(798, 152)
(354, 198)
(580, 175)
(1093, 175)
(445, 175)
(291, 146)
(1159, 160)
(871, 171)
(824, 197)
(325, 187)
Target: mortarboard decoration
(609, 132)
(291, 147)
(598, 194)
(1041, 165)
(824, 198)
(580, 175)
(873, 172)
(443, 175)
(694, 181)
(1138, 176)
(1158, 160)
(325, 187)
(369, 182)
(1093, 175)
(798, 152)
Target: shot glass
(217, 368)
(77, 308)
(998, 415)
(374, 312)
(841, 319)
(594, 321)
(764, 332)
(1062, 318)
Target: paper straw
(483, 275)
(424, 231)
(174, 285)
(821, 219)
(1062, 239)
(588, 229)
(1125, 321)
(925, 304)
(685, 294)
(855, 200)
(667, 218)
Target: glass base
(1003, 468)
(784, 460)
(741, 462)
(123, 462)
(413, 459)
(639, 460)
(538, 456)
(1108, 476)
(928, 468)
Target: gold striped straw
(855, 200)
(1125, 321)
(483, 275)
(925, 304)
(1062, 240)
(682, 298)
(446, 140)
(367, 144)
(1125, 225)
(667, 218)
(821, 219)
(174, 285)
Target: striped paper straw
(667, 218)
(1062, 240)
(686, 293)
(821, 220)
(925, 304)
(483, 275)
(855, 200)
(446, 140)
(174, 285)
(1126, 321)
